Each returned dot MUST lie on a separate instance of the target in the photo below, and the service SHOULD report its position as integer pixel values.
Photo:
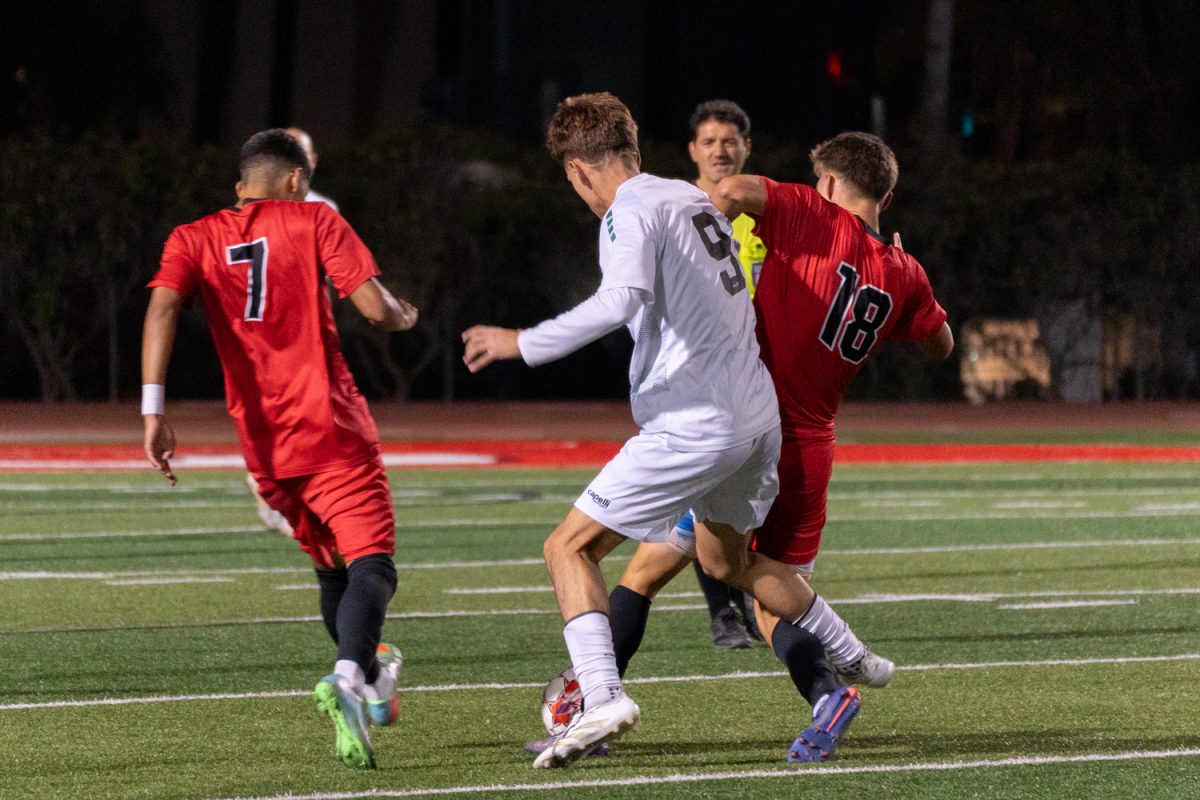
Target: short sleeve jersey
(831, 290)
(695, 375)
(260, 272)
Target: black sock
(627, 613)
(333, 586)
(801, 652)
(716, 593)
(360, 615)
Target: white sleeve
(603, 312)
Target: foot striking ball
(562, 699)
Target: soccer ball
(562, 699)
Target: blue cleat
(830, 723)
(346, 709)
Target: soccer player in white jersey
(706, 406)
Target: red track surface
(490, 454)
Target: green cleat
(336, 700)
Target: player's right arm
(603, 312)
(740, 194)
(158, 338)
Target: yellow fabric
(751, 250)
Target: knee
(558, 546)
(722, 570)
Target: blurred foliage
(475, 229)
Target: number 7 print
(255, 254)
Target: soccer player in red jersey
(308, 439)
(831, 290)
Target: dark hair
(721, 111)
(862, 159)
(591, 127)
(274, 149)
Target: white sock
(352, 672)
(382, 689)
(843, 647)
(589, 641)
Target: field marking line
(408, 525)
(168, 581)
(539, 612)
(994, 515)
(864, 599)
(1013, 494)
(18, 575)
(251, 529)
(459, 687)
(1066, 604)
(698, 777)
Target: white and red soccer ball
(562, 699)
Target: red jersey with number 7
(260, 272)
(831, 290)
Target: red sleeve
(789, 209)
(344, 257)
(921, 316)
(178, 268)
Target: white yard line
(1066, 604)
(976, 494)
(149, 534)
(166, 581)
(460, 687)
(866, 599)
(852, 552)
(791, 774)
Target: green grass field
(1043, 617)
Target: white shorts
(648, 486)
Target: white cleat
(593, 727)
(869, 670)
(271, 519)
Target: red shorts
(344, 511)
(792, 530)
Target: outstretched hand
(487, 343)
(160, 444)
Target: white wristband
(153, 398)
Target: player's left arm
(937, 346)
(158, 339)
(381, 308)
(740, 194)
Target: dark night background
(1049, 170)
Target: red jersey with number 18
(830, 291)
(260, 271)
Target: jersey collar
(874, 234)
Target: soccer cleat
(594, 727)
(831, 719)
(749, 621)
(271, 519)
(536, 747)
(869, 670)
(727, 630)
(383, 705)
(337, 700)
